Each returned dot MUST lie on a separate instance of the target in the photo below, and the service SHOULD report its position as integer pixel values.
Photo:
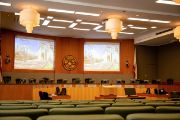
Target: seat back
(124, 111)
(81, 117)
(76, 111)
(15, 118)
(17, 107)
(168, 109)
(153, 116)
(32, 113)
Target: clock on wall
(69, 62)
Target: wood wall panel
(16, 92)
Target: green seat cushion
(15, 118)
(153, 116)
(81, 117)
(124, 111)
(76, 111)
(168, 109)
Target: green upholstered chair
(124, 111)
(15, 118)
(168, 109)
(81, 117)
(155, 104)
(47, 106)
(32, 113)
(124, 100)
(127, 104)
(10, 102)
(16, 104)
(17, 107)
(153, 116)
(102, 102)
(76, 111)
(94, 105)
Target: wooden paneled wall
(67, 46)
(16, 92)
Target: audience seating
(168, 109)
(94, 105)
(32, 113)
(76, 111)
(151, 116)
(81, 117)
(127, 104)
(46, 106)
(17, 107)
(15, 118)
(155, 104)
(16, 104)
(124, 111)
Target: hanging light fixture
(177, 33)
(29, 18)
(114, 26)
(177, 1)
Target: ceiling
(125, 9)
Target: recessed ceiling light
(62, 11)
(5, 4)
(81, 29)
(73, 25)
(137, 15)
(58, 20)
(141, 28)
(160, 21)
(17, 13)
(56, 27)
(98, 27)
(89, 23)
(78, 20)
(148, 20)
(85, 13)
(169, 2)
(46, 22)
(41, 18)
(123, 28)
(138, 19)
(130, 25)
(101, 31)
(129, 33)
(153, 27)
(50, 17)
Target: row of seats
(123, 111)
(137, 116)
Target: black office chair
(63, 91)
(44, 96)
(58, 92)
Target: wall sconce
(7, 59)
(127, 64)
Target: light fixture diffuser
(61, 11)
(58, 20)
(89, 14)
(5, 4)
(73, 25)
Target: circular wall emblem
(69, 62)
